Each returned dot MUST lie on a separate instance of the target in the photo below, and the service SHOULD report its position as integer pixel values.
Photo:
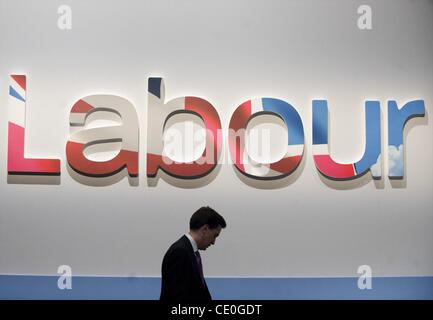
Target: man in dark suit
(182, 271)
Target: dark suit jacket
(180, 275)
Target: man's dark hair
(206, 215)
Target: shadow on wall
(102, 181)
(184, 183)
(272, 184)
(33, 179)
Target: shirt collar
(193, 243)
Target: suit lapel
(193, 260)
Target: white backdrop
(225, 52)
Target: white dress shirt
(193, 243)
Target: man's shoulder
(181, 246)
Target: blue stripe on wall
(148, 288)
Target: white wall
(226, 52)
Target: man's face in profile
(209, 236)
